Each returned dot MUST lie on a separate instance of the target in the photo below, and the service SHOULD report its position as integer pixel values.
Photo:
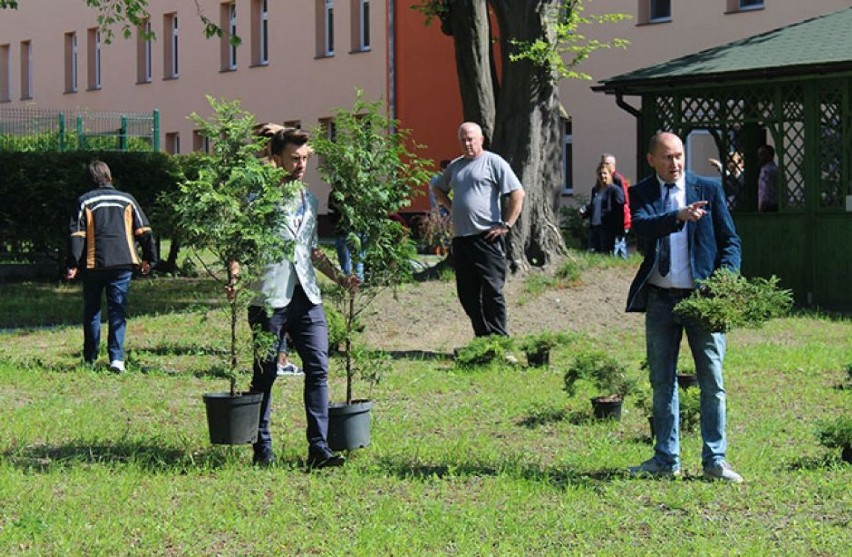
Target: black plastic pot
(232, 420)
(606, 409)
(538, 359)
(349, 425)
(687, 380)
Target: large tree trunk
(467, 22)
(527, 128)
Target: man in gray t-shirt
(480, 181)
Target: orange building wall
(428, 101)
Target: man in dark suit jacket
(688, 233)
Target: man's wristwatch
(506, 225)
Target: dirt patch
(427, 316)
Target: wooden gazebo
(791, 88)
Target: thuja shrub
(728, 300)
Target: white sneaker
(289, 370)
(722, 471)
(116, 366)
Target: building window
(93, 58)
(71, 62)
(5, 73)
(26, 70)
(172, 50)
(260, 32)
(660, 10)
(144, 46)
(360, 25)
(173, 143)
(744, 5)
(325, 28)
(200, 143)
(567, 158)
(228, 15)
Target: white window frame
(6, 77)
(364, 24)
(328, 27)
(26, 70)
(97, 80)
(73, 64)
(264, 32)
(658, 19)
(232, 32)
(148, 55)
(747, 7)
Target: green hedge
(39, 191)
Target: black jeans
(305, 322)
(480, 274)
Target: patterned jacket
(104, 229)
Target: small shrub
(728, 300)
(546, 340)
(483, 350)
(608, 375)
(837, 434)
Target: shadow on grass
(419, 355)
(559, 477)
(144, 455)
(30, 305)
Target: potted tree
(537, 347)
(229, 212)
(373, 173)
(727, 300)
(607, 374)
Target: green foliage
(607, 374)
(568, 48)
(39, 190)
(373, 173)
(484, 350)
(575, 229)
(837, 433)
(232, 208)
(728, 300)
(546, 340)
(336, 327)
(690, 408)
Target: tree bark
(528, 131)
(467, 22)
(520, 116)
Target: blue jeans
(305, 322)
(344, 257)
(663, 333)
(117, 284)
(620, 248)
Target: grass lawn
(490, 461)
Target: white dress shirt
(680, 273)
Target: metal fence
(37, 129)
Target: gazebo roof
(814, 46)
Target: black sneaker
(324, 458)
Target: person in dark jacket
(605, 212)
(105, 227)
